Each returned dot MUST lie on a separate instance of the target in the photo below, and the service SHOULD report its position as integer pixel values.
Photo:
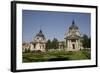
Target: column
(77, 44)
(31, 47)
(68, 44)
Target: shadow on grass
(58, 59)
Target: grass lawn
(55, 56)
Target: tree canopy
(86, 41)
(54, 44)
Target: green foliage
(48, 45)
(27, 50)
(86, 41)
(55, 44)
(52, 44)
(89, 42)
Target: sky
(53, 24)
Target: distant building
(61, 45)
(73, 38)
(25, 46)
(38, 43)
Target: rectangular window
(73, 46)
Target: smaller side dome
(40, 34)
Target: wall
(5, 37)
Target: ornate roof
(73, 26)
(40, 34)
(73, 37)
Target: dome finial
(73, 26)
(40, 31)
(73, 22)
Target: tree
(86, 41)
(52, 45)
(55, 44)
(48, 44)
(89, 42)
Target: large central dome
(73, 26)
